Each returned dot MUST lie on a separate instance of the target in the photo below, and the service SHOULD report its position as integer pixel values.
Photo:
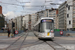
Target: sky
(15, 8)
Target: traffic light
(13, 24)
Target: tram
(44, 28)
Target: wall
(57, 33)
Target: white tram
(44, 28)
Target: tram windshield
(46, 25)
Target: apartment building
(19, 22)
(43, 13)
(62, 13)
(27, 22)
(33, 20)
(54, 13)
(49, 13)
(71, 15)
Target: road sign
(61, 32)
(16, 32)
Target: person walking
(14, 32)
(8, 32)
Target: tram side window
(38, 27)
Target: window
(67, 15)
(69, 22)
(68, 7)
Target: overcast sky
(14, 8)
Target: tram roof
(41, 19)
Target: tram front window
(47, 26)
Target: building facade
(62, 12)
(10, 24)
(19, 21)
(2, 21)
(49, 13)
(43, 13)
(71, 15)
(54, 14)
(2, 18)
(0, 9)
(33, 20)
(27, 22)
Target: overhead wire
(23, 5)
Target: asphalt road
(33, 43)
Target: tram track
(53, 44)
(13, 46)
(22, 42)
(32, 43)
(23, 35)
(50, 43)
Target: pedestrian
(14, 32)
(8, 32)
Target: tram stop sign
(61, 32)
(16, 32)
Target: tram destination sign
(47, 20)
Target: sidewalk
(3, 34)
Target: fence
(65, 33)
